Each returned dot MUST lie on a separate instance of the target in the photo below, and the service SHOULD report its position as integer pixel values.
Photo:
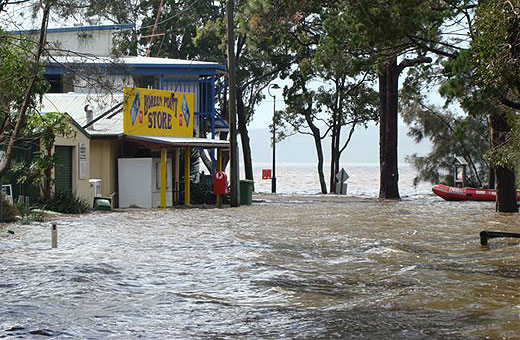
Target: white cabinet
(140, 182)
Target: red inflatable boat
(466, 194)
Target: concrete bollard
(54, 236)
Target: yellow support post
(187, 163)
(163, 177)
(177, 171)
(219, 168)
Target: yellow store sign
(148, 112)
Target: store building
(135, 168)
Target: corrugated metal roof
(77, 29)
(133, 61)
(74, 105)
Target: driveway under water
(294, 267)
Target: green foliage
(66, 202)
(45, 127)
(330, 78)
(497, 50)
(177, 28)
(15, 71)
(459, 80)
(37, 215)
(202, 192)
(388, 28)
(24, 208)
(9, 211)
(451, 136)
(31, 212)
(452, 132)
(34, 171)
(496, 47)
(506, 154)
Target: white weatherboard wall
(98, 43)
(135, 182)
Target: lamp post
(273, 178)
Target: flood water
(297, 267)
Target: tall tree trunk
(504, 177)
(317, 143)
(332, 162)
(491, 178)
(382, 123)
(319, 153)
(388, 94)
(334, 151)
(506, 192)
(336, 159)
(339, 121)
(244, 136)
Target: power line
(173, 16)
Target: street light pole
(273, 178)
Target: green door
(63, 175)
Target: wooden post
(187, 163)
(163, 177)
(219, 168)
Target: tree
(459, 128)
(44, 127)
(477, 76)
(451, 136)
(21, 71)
(302, 111)
(398, 35)
(497, 54)
(315, 38)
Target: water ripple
(359, 269)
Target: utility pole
(235, 201)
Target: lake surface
(288, 267)
(302, 178)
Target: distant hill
(364, 147)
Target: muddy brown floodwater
(288, 267)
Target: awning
(178, 142)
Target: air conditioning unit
(95, 187)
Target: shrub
(67, 202)
(9, 211)
(37, 215)
(202, 192)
